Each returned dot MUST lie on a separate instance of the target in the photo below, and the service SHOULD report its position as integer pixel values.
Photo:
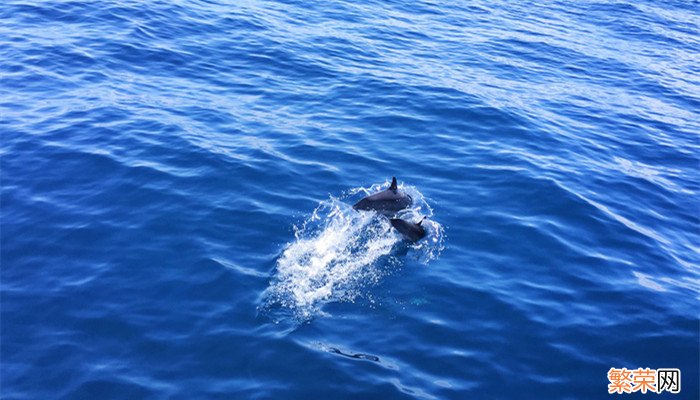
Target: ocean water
(177, 180)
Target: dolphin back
(408, 230)
(388, 201)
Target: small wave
(338, 253)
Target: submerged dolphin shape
(387, 202)
(409, 230)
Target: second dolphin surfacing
(410, 231)
(387, 202)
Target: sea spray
(338, 253)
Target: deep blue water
(176, 181)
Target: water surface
(169, 170)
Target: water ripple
(161, 163)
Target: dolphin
(409, 230)
(387, 202)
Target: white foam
(338, 252)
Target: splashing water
(338, 252)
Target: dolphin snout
(363, 204)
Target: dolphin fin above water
(409, 230)
(386, 202)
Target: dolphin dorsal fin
(421, 221)
(393, 186)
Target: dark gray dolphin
(387, 202)
(409, 230)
